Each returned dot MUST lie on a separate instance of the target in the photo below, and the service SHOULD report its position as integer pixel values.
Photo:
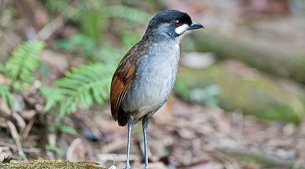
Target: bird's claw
(127, 166)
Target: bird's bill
(195, 25)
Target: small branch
(26, 150)
(55, 24)
(16, 137)
(28, 128)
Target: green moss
(261, 158)
(256, 94)
(59, 164)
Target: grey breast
(154, 79)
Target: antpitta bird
(146, 75)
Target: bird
(145, 77)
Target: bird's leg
(130, 124)
(145, 126)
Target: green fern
(5, 94)
(20, 68)
(81, 87)
(53, 96)
(56, 5)
(2, 68)
(23, 63)
(94, 15)
(93, 23)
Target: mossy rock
(49, 164)
(255, 94)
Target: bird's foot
(127, 166)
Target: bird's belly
(151, 87)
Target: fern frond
(93, 23)
(53, 96)
(2, 69)
(5, 94)
(23, 62)
(81, 87)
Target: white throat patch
(181, 29)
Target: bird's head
(171, 23)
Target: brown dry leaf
(28, 114)
(164, 114)
(76, 151)
(5, 111)
(20, 123)
(112, 167)
(15, 136)
(57, 61)
(155, 165)
(186, 133)
(4, 153)
(220, 121)
(114, 146)
(183, 109)
(120, 159)
(208, 165)
(41, 16)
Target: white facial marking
(179, 30)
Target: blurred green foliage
(80, 87)
(22, 64)
(20, 69)
(259, 96)
(5, 94)
(89, 84)
(56, 5)
(104, 31)
(96, 20)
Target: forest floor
(181, 135)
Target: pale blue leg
(130, 124)
(145, 122)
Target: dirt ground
(181, 135)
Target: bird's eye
(178, 23)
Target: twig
(6, 113)
(237, 119)
(118, 157)
(15, 136)
(21, 124)
(55, 24)
(114, 146)
(26, 150)
(28, 128)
